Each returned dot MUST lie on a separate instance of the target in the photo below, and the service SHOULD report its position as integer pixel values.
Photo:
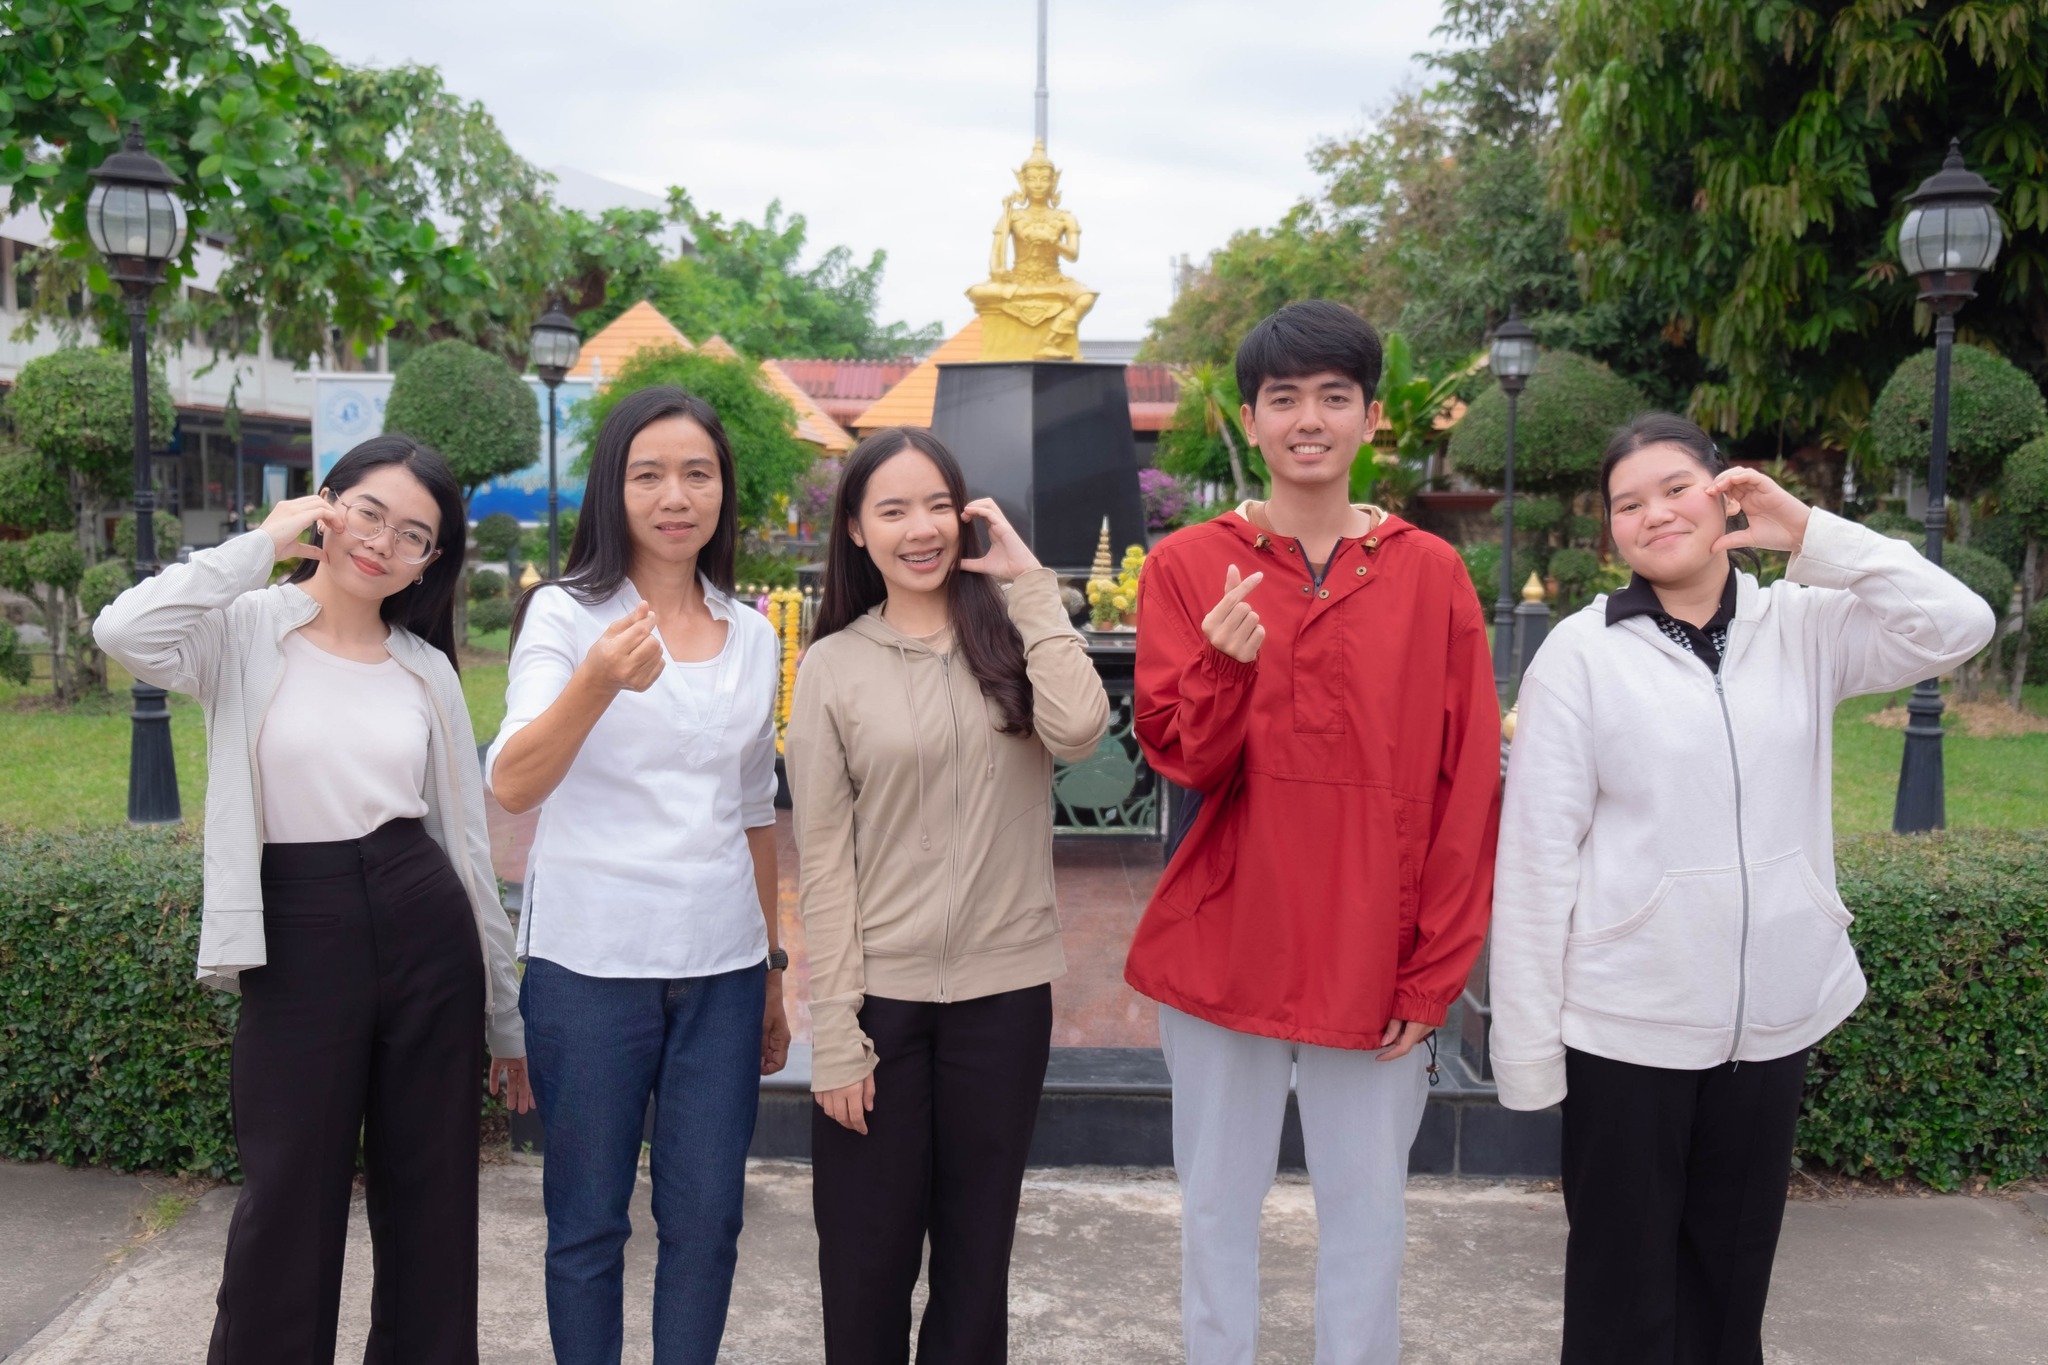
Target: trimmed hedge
(1942, 1074)
(110, 1052)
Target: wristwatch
(777, 960)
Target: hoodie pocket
(1798, 941)
(1671, 962)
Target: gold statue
(1029, 309)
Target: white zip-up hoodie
(212, 629)
(1665, 886)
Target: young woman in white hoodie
(1668, 944)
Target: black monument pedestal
(1050, 441)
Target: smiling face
(673, 491)
(1309, 427)
(374, 567)
(908, 523)
(1663, 519)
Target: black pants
(366, 1022)
(956, 1098)
(1674, 1182)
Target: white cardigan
(1665, 888)
(213, 630)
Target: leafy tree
(1562, 422)
(237, 104)
(744, 282)
(15, 664)
(1741, 166)
(1411, 403)
(757, 420)
(2024, 495)
(1993, 408)
(1204, 441)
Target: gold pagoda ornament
(1029, 308)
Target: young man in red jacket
(1317, 672)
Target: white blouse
(343, 749)
(640, 866)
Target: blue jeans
(597, 1047)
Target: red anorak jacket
(1340, 871)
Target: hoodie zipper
(1742, 869)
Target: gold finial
(529, 577)
(1029, 309)
(1532, 591)
(1104, 566)
(1507, 723)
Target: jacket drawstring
(924, 837)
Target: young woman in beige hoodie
(928, 712)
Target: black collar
(1640, 599)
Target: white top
(1665, 890)
(640, 865)
(343, 750)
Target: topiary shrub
(113, 1054)
(2037, 645)
(1563, 420)
(485, 584)
(490, 614)
(1574, 569)
(33, 493)
(1886, 520)
(1993, 408)
(497, 537)
(76, 408)
(170, 534)
(1942, 1074)
(470, 406)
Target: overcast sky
(896, 123)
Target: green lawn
(72, 768)
(1997, 782)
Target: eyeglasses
(366, 523)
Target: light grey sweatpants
(1359, 1117)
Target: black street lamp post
(1513, 361)
(553, 346)
(137, 225)
(1950, 236)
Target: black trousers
(1674, 1183)
(956, 1099)
(366, 1023)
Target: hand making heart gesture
(1777, 520)
(1008, 556)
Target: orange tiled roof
(721, 348)
(845, 388)
(909, 403)
(639, 327)
(813, 424)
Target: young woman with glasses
(349, 897)
(639, 718)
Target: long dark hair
(974, 604)
(425, 608)
(601, 551)
(1668, 428)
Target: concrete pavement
(1894, 1280)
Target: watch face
(778, 960)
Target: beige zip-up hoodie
(924, 835)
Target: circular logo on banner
(347, 412)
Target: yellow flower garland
(785, 613)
